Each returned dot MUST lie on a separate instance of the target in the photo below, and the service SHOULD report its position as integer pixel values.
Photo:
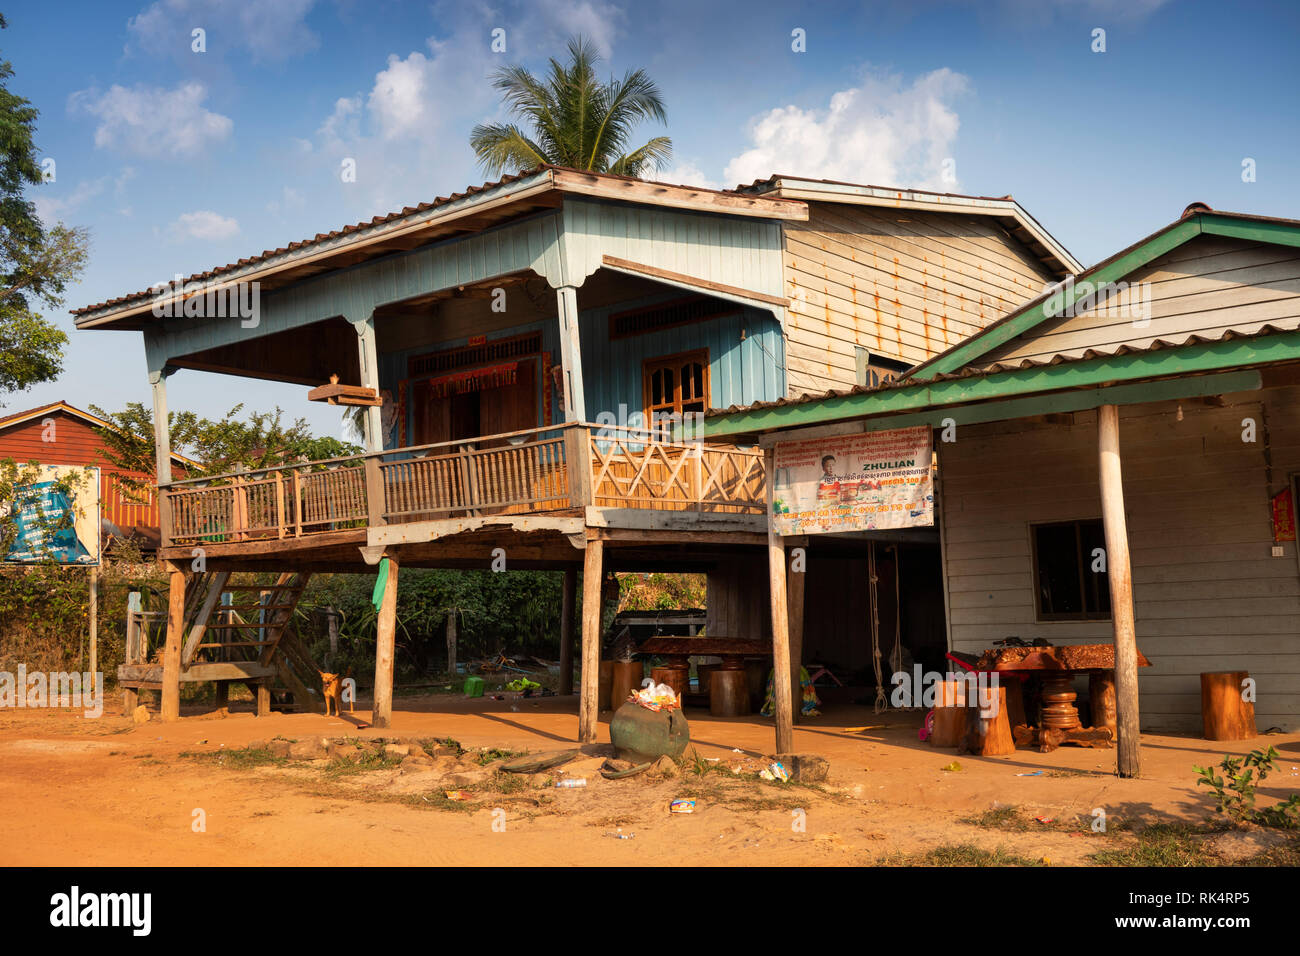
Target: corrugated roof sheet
(966, 373)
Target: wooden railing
(526, 472)
(633, 469)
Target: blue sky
(178, 161)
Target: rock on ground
(806, 768)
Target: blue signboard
(50, 527)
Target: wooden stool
(989, 736)
(675, 677)
(1225, 714)
(949, 714)
(605, 685)
(626, 677)
(729, 690)
(1059, 712)
(1102, 700)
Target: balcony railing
(554, 469)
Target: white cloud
(399, 100)
(685, 174)
(881, 132)
(548, 24)
(204, 224)
(149, 121)
(50, 209)
(289, 200)
(269, 30)
(341, 125)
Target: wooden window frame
(648, 366)
(1065, 617)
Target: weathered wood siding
(1208, 595)
(1204, 287)
(904, 284)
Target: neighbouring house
(1176, 363)
(511, 343)
(60, 434)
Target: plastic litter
(774, 772)
(654, 697)
(1036, 773)
(459, 796)
(682, 806)
(572, 782)
(952, 767)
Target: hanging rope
(881, 701)
(896, 658)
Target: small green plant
(1235, 791)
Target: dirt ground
(77, 791)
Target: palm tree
(576, 120)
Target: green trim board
(908, 398)
(1055, 403)
(1051, 305)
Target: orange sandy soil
(76, 791)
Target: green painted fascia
(1091, 373)
(1253, 230)
(1038, 312)
(1054, 403)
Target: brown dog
(332, 689)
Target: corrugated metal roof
(407, 212)
(967, 373)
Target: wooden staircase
(246, 627)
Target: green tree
(261, 440)
(575, 119)
(36, 263)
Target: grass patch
(1164, 845)
(960, 854)
(242, 759)
(485, 757)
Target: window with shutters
(676, 385)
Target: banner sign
(52, 524)
(866, 481)
(1283, 516)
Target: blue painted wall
(746, 357)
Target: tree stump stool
(729, 690)
(605, 685)
(626, 677)
(1225, 713)
(949, 714)
(1102, 700)
(989, 735)
(673, 673)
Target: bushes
(44, 610)
(518, 610)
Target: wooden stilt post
(566, 630)
(589, 701)
(782, 682)
(1119, 571)
(384, 648)
(794, 593)
(171, 689)
(92, 621)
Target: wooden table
(1058, 666)
(728, 689)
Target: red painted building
(59, 434)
